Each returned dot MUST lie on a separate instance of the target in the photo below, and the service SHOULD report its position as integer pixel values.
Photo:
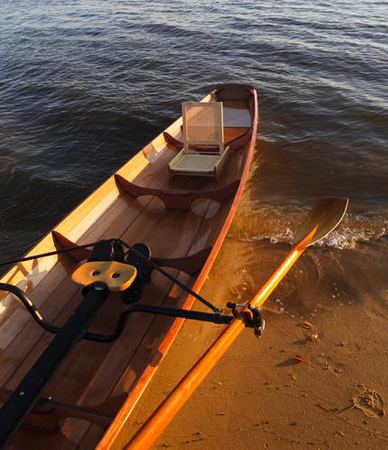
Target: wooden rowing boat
(184, 221)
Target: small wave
(356, 230)
(277, 224)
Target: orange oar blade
(323, 218)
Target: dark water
(84, 85)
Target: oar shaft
(154, 427)
(276, 277)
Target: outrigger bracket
(113, 266)
(251, 317)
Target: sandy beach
(317, 377)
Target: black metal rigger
(27, 393)
(136, 307)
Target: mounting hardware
(250, 315)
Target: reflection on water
(85, 85)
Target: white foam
(276, 225)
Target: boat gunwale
(108, 193)
(112, 433)
(90, 204)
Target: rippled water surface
(84, 85)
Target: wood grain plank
(94, 372)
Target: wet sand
(316, 379)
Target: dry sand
(316, 379)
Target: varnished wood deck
(96, 372)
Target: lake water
(84, 85)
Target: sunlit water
(84, 85)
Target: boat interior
(182, 219)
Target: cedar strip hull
(94, 373)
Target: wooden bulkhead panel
(95, 372)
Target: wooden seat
(202, 126)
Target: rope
(44, 255)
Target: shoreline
(260, 395)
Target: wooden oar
(322, 219)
